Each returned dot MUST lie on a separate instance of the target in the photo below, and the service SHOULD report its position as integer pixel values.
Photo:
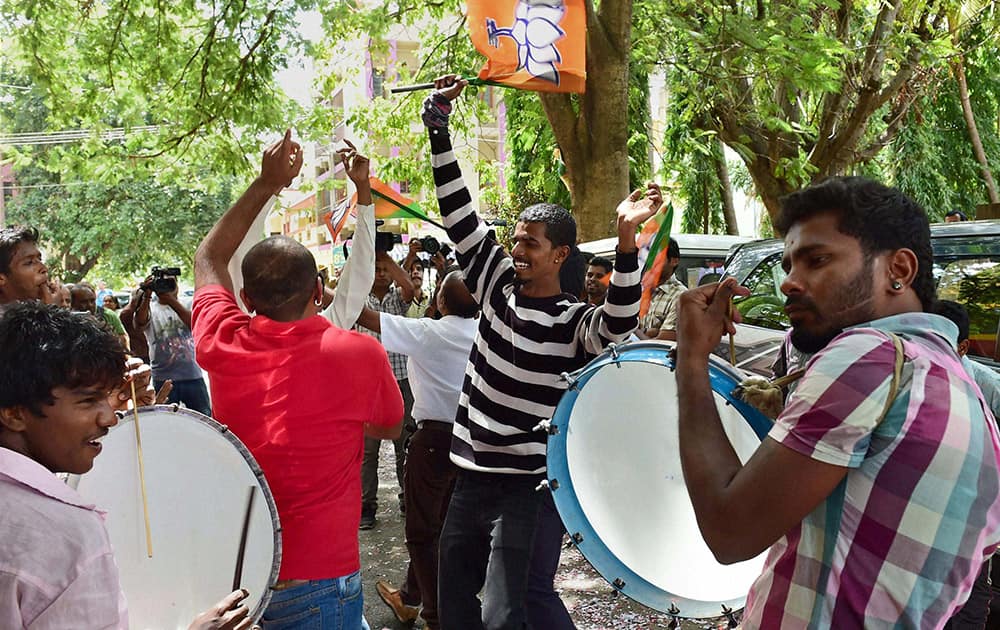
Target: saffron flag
(336, 218)
(653, 243)
(389, 204)
(536, 45)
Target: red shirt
(298, 394)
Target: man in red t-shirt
(300, 392)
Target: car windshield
(966, 270)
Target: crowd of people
(877, 491)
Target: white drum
(615, 473)
(199, 477)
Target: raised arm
(398, 275)
(615, 320)
(484, 263)
(359, 271)
(280, 165)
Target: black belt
(435, 425)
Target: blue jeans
(193, 393)
(487, 540)
(335, 604)
(542, 604)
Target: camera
(164, 279)
(385, 241)
(430, 245)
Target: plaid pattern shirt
(900, 541)
(662, 313)
(393, 304)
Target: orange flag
(531, 44)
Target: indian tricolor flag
(389, 204)
(536, 45)
(653, 242)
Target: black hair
(43, 347)
(457, 297)
(10, 238)
(279, 276)
(417, 261)
(600, 261)
(956, 313)
(957, 213)
(573, 273)
(560, 226)
(883, 219)
(673, 249)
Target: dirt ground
(591, 601)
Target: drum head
(614, 464)
(198, 479)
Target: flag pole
(409, 211)
(430, 86)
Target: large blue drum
(615, 474)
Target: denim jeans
(369, 463)
(487, 541)
(193, 393)
(335, 604)
(544, 608)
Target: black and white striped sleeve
(618, 317)
(483, 261)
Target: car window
(765, 304)
(975, 283)
(966, 270)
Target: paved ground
(592, 603)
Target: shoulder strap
(897, 372)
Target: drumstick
(142, 471)
(238, 577)
(732, 343)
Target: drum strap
(769, 398)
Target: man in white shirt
(438, 351)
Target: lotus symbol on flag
(535, 31)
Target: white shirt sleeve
(252, 237)
(405, 335)
(358, 274)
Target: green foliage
(932, 158)
(200, 75)
(804, 89)
(125, 227)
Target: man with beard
(877, 487)
(595, 282)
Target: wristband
(437, 109)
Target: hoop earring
(317, 302)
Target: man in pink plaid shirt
(877, 495)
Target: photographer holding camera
(166, 322)
(423, 301)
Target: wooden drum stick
(142, 472)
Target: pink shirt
(57, 569)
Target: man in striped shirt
(529, 333)
(877, 493)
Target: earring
(896, 285)
(318, 302)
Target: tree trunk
(958, 67)
(769, 188)
(592, 130)
(706, 206)
(725, 188)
